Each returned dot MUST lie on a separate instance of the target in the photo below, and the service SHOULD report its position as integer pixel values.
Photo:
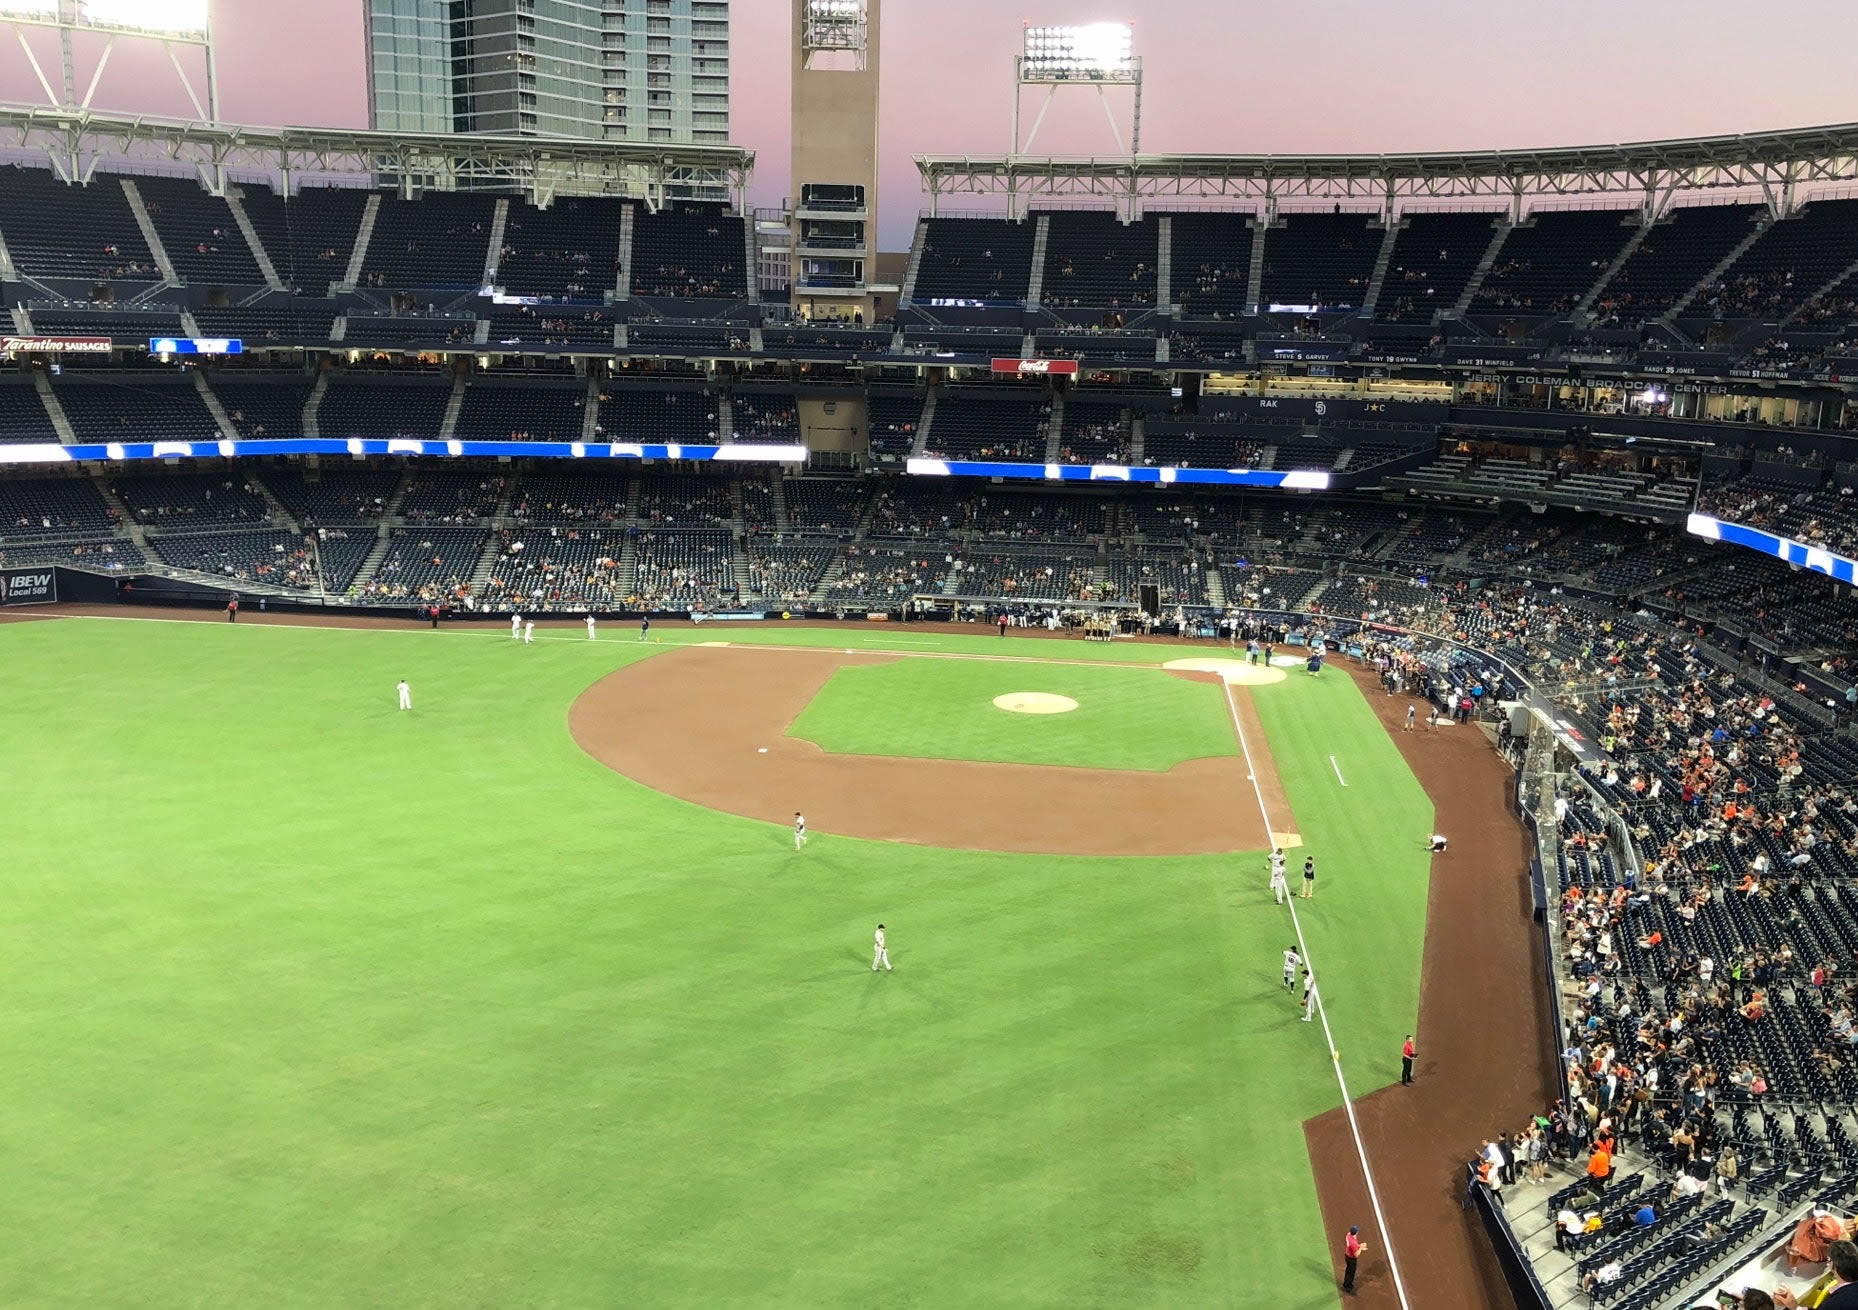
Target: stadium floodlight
(171, 24)
(1098, 55)
(172, 17)
(1090, 52)
(834, 26)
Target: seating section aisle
(78, 233)
(1096, 260)
(1434, 256)
(692, 251)
(1004, 426)
(1548, 264)
(1320, 258)
(975, 259)
(197, 230)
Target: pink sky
(1304, 77)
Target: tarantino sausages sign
(28, 587)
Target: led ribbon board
(115, 451)
(1815, 559)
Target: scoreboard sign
(28, 586)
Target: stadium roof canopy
(77, 140)
(1773, 164)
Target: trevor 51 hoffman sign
(28, 586)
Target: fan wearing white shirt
(880, 954)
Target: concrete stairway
(1138, 439)
(1054, 429)
(590, 412)
(221, 419)
(54, 408)
(1721, 266)
(751, 259)
(149, 234)
(235, 202)
(922, 427)
(777, 490)
(454, 405)
(1607, 274)
(1254, 276)
(280, 516)
(828, 580)
(313, 405)
(1164, 263)
(1035, 285)
(725, 417)
(1821, 291)
(358, 255)
(622, 280)
(1500, 232)
(908, 295)
(1215, 588)
(493, 253)
(123, 516)
(1372, 295)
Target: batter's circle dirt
(708, 724)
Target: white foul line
(1338, 771)
(1322, 1011)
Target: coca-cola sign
(1024, 366)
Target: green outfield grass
(944, 709)
(309, 1002)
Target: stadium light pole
(1094, 56)
(172, 24)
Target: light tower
(834, 169)
(167, 23)
(1097, 56)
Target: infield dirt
(708, 724)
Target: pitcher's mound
(1236, 672)
(1035, 702)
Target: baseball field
(525, 996)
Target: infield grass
(309, 1002)
(944, 709)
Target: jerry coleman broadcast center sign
(28, 587)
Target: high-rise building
(603, 70)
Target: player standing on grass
(645, 627)
(1291, 963)
(406, 695)
(1280, 887)
(516, 627)
(799, 830)
(529, 632)
(880, 954)
(590, 627)
(1309, 877)
(1309, 995)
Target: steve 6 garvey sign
(28, 587)
(1035, 366)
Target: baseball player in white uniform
(590, 627)
(1309, 995)
(1292, 961)
(799, 830)
(1280, 886)
(516, 627)
(880, 954)
(406, 695)
(529, 632)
